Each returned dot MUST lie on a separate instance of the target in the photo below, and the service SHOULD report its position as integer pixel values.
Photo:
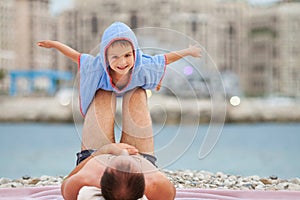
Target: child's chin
(123, 72)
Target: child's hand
(45, 44)
(194, 51)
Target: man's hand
(117, 149)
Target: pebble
(27, 181)
(296, 181)
(182, 179)
(265, 181)
(4, 181)
(219, 180)
(259, 187)
(273, 177)
(26, 177)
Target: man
(127, 163)
(121, 173)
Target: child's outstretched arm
(66, 50)
(176, 55)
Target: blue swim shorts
(81, 156)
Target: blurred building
(274, 49)
(259, 45)
(219, 27)
(22, 24)
(32, 23)
(7, 32)
(7, 40)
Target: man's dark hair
(120, 183)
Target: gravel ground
(183, 179)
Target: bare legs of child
(137, 125)
(98, 128)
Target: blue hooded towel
(147, 71)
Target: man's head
(120, 56)
(123, 180)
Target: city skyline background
(58, 6)
(252, 50)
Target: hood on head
(118, 31)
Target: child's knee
(140, 92)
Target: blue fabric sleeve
(154, 69)
(91, 72)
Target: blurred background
(255, 46)
(250, 68)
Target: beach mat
(53, 193)
(28, 193)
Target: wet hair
(120, 183)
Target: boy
(120, 66)
(119, 69)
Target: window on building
(258, 84)
(134, 20)
(194, 26)
(231, 30)
(275, 72)
(274, 52)
(259, 68)
(94, 25)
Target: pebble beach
(33, 109)
(182, 179)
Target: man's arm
(66, 50)
(72, 185)
(87, 173)
(74, 181)
(176, 55)
(158, 187)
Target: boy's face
(120, 58)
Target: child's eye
(128, 55)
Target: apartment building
(7, 35)
(218, 27)
(274, 48)
(32, 23)
(260, 45)
(22, 24)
